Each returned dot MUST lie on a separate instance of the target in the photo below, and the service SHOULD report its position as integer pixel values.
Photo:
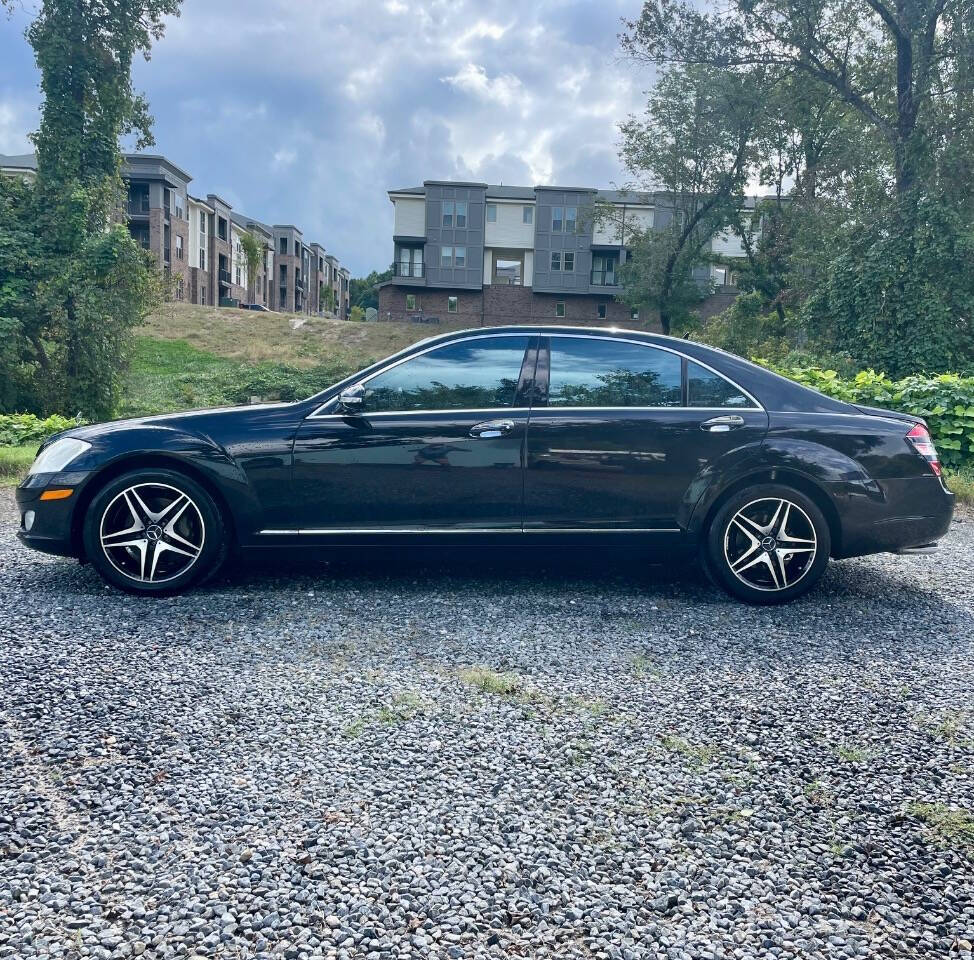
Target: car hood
(184, 419)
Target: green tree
(87, 281)
(696, 145)
(364, 292)
(253, 249)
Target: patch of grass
(14, 464)
(402, 708)
(960, 480)
(818, 793)
(948, 727)
(594, 708)
(490, 681)
(954, 827)
(643, 666)
(698, 755)
(354, 729)
(852, 754)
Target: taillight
(919, 437)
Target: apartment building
(486, 254)
(199, 242)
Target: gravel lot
(302, 766)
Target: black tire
(168, 559)
(753, 564)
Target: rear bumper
(911, 513)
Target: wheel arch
(136, 461)
(789, 478)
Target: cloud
(309, 113)
(506, 89)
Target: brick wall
(180, 268)
(499, 305)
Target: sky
(308, 113)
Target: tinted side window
(471, 374)
(707, 389)
(604, 373)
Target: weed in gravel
(643, 666)
(490, 681)
(955, 827)
(402, 708)
(698, 755)
(817, 793)
(852, 754)
(354, 729)
(948, 727)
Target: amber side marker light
(56, 494)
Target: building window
(202, 296)
(221, 228)
(239, 284)
(601, 311)
(633, 314)
(459, 256)
(283, 245)
(448, 213)
(492, 213)
(557, 219)
(446, 257)
(452, 304)
(555, 260)
(461, 218)
(410, 301)
(180, 289)
(203, 222)
(283, 273)
(202, 258)
(179, 249)
(560, 308)
(571, 219)
(569, 262)
(527, 214)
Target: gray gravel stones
(293, 767)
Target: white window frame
(565, 261)
(527, 215)
(560, 219)
(446, 259)
(459, 258)
(492, 213)
(556, 261)
(447, 205)
(573, 220)
(457, 204)
(452, 304)
(560, 305)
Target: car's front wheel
(768, 544)
(154, 531)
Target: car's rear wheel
(768, 544)
(154, 531)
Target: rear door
(620, 432)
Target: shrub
(24, 429)
(945, 402)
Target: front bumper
(52, 529)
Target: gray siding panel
(547, 241)
(470, 276)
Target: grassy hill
(189, 356)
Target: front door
(621, 432)
(437, 447)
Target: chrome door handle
(722, 424)
(491, 428)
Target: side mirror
(352, 399)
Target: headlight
(58, 455)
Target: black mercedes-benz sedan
(554, 437)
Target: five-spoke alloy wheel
(768, 544)
(154, 531)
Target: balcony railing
(604, 278)
(414, 270)
(138, 206)
(224, 276)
